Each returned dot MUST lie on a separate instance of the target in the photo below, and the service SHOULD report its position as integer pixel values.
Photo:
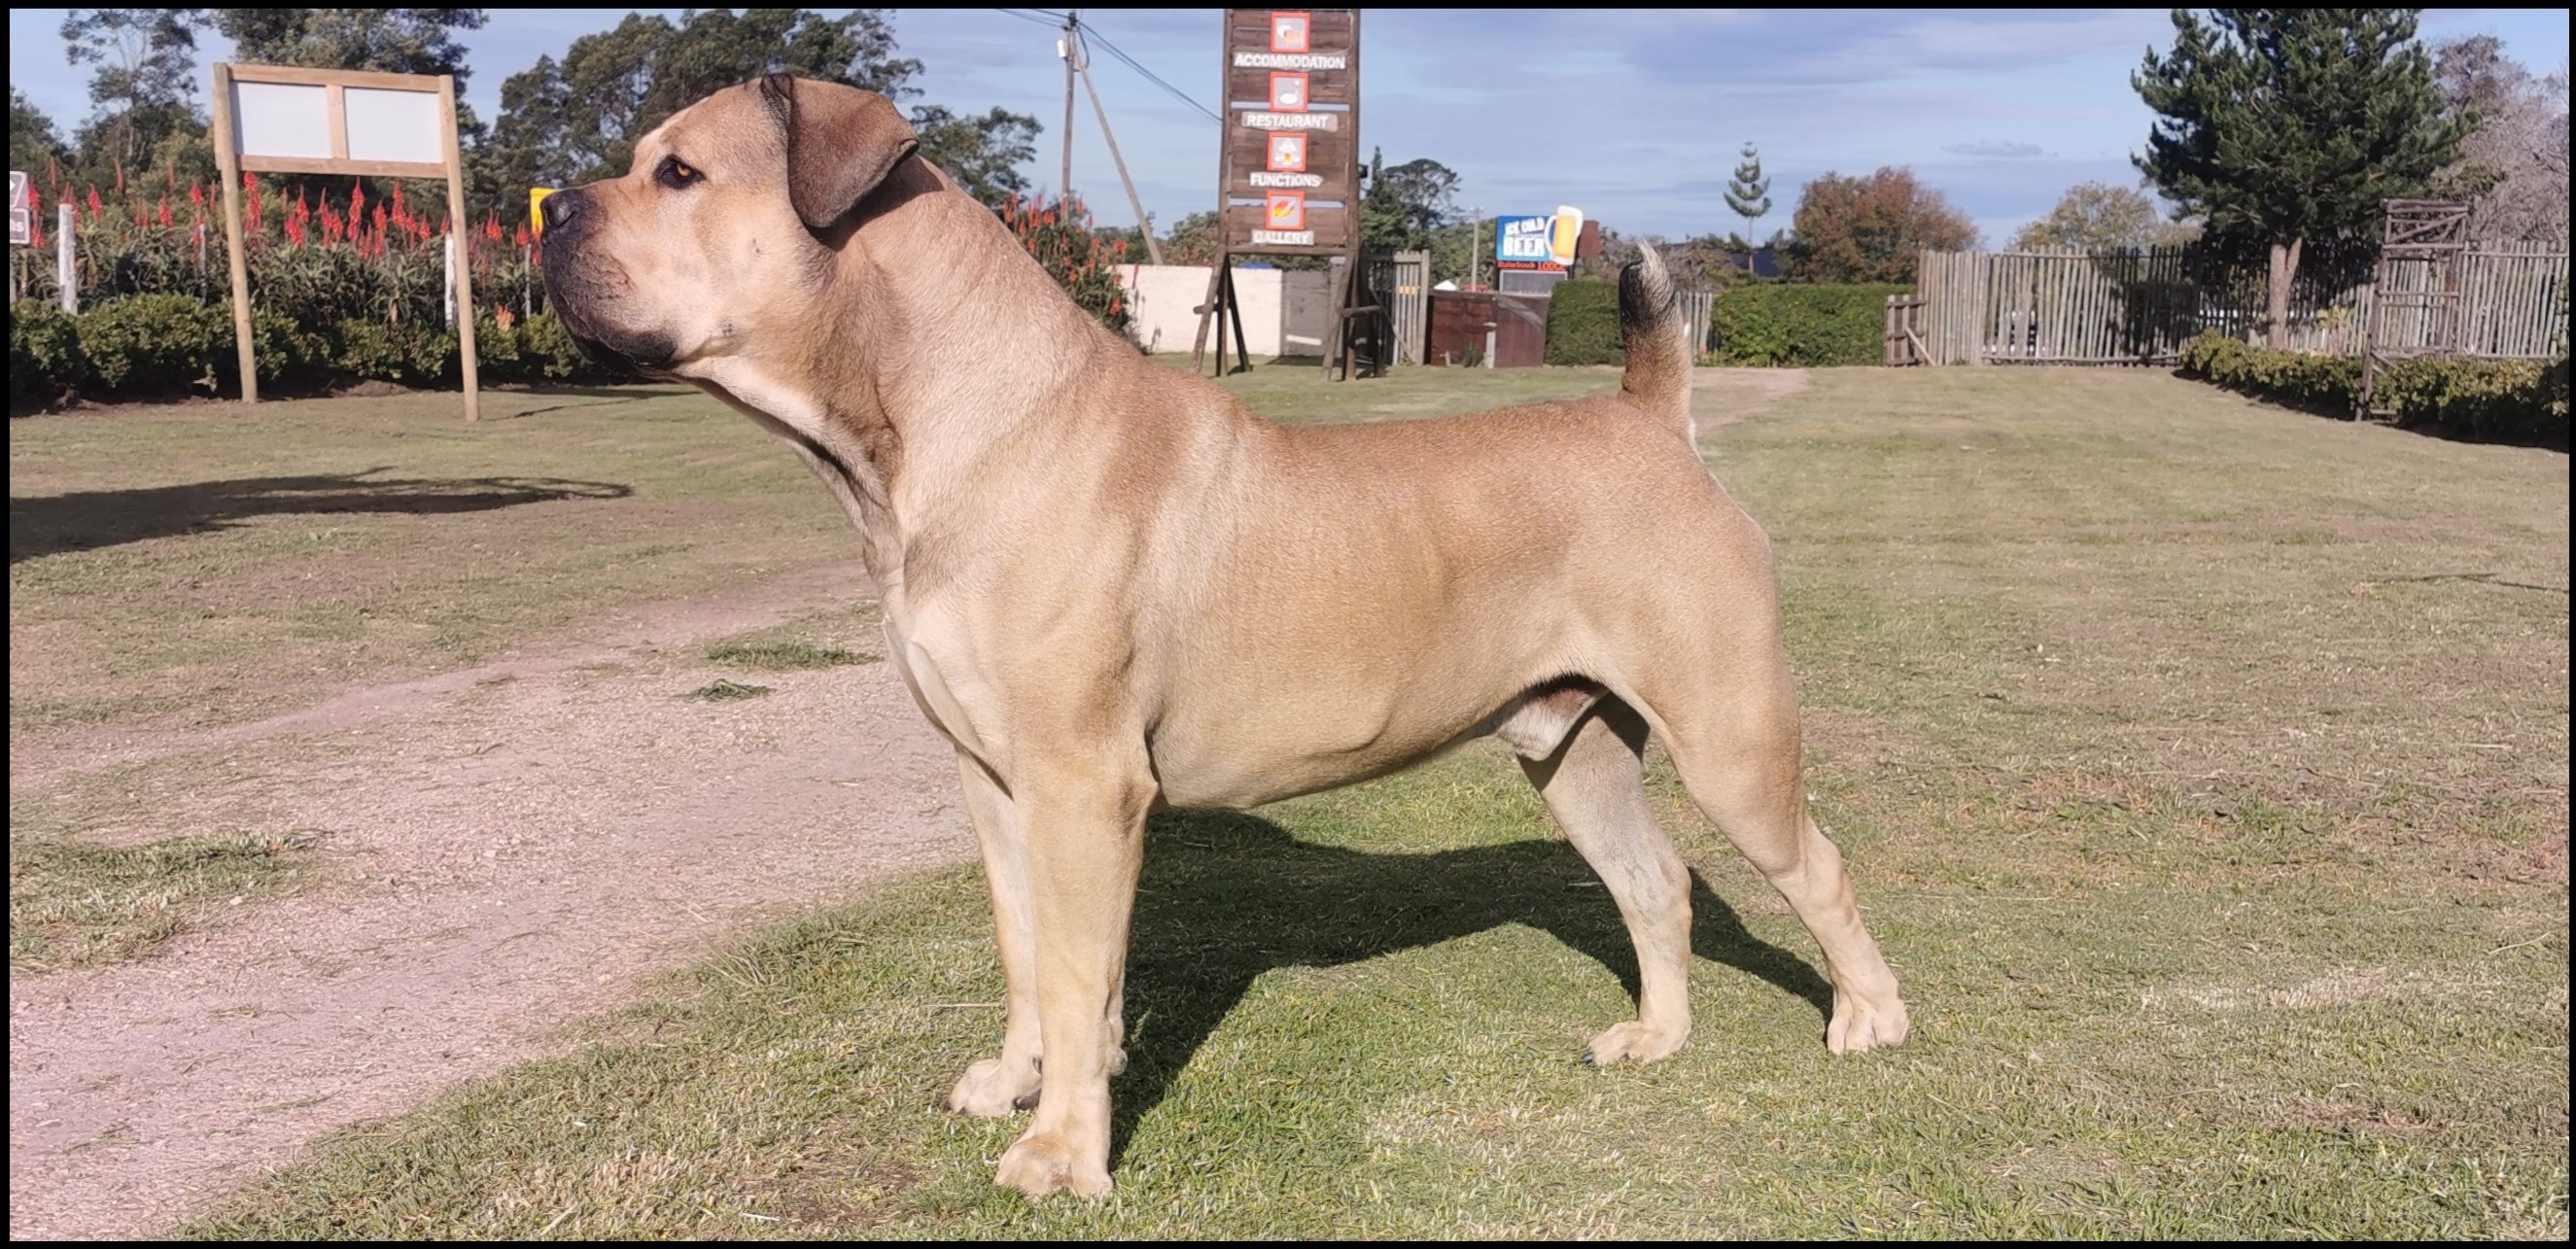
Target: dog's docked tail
(1659, 362)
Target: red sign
(1287, 210)
(1288, 31)
(1288, 93)
(1288, 153)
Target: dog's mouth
(573, 291)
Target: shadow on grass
(90, 519)
(1225, 897)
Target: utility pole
(1475, 246)
(1144, 225)
(1065, 47)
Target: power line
(1092, 32)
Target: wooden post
(228, 166)
(464, 252)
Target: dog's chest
(941, 676)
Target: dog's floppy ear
(841, 142)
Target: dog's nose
(563, 208)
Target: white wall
(1283, 313)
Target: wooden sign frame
(1263, 187)
(336, 85)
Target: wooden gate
(2422, 245)
(1904, 331)
(1403, 286)
(1520, 332)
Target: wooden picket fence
(2140, 307)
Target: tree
(1403, 206)
(2514, 159)
(2277, 126)
(1749, 193)
(1192, 241)
(35, 146)
(393, 41)
(145, 86)
(2097, 216)
(579, 118)
(982, 153)
(1870, 229)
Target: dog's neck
(891, 391)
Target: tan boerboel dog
(1115, 589)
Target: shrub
(1060, 236)
(548, 353)
(45, 363)
(1786, 325)
(403, 353)
(154, 344)
(2296, 377)
(2484, 398)
(1583, 322)
(2488, 398)
(289, 357)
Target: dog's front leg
(1083, 833)
(997, 1086)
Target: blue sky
(1632, 115)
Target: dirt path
(508, 847)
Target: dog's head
(727, 220)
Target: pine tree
(1749, 194)
(2277, 126)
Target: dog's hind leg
(1595, 788)
(1739, 755)
(997, 1086)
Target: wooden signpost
(1288, 169)
(283, 119)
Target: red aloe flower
(520, 236)
(295, 230)
(165, 211)
(380, 220)
(95, 208)
(120, 180)
(197, 194)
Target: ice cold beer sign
(1290, 175)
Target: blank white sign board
(284, 119)
(393, 125)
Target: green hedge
(2487, 398)
(1583, 322)
(1797, 325)
(163, 346)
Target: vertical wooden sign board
(1288, 168)
(284, 119)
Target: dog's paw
(1044, 1162)
(1860, 1026)
(1634, 1042)
(994, 1087)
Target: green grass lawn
(2203, 767)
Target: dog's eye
(676, 173)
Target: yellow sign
(536, 213)
(1562, 232)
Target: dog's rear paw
(1859, 1026)
(1634, 1042)
(995, 1087)
(1043, 1163)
